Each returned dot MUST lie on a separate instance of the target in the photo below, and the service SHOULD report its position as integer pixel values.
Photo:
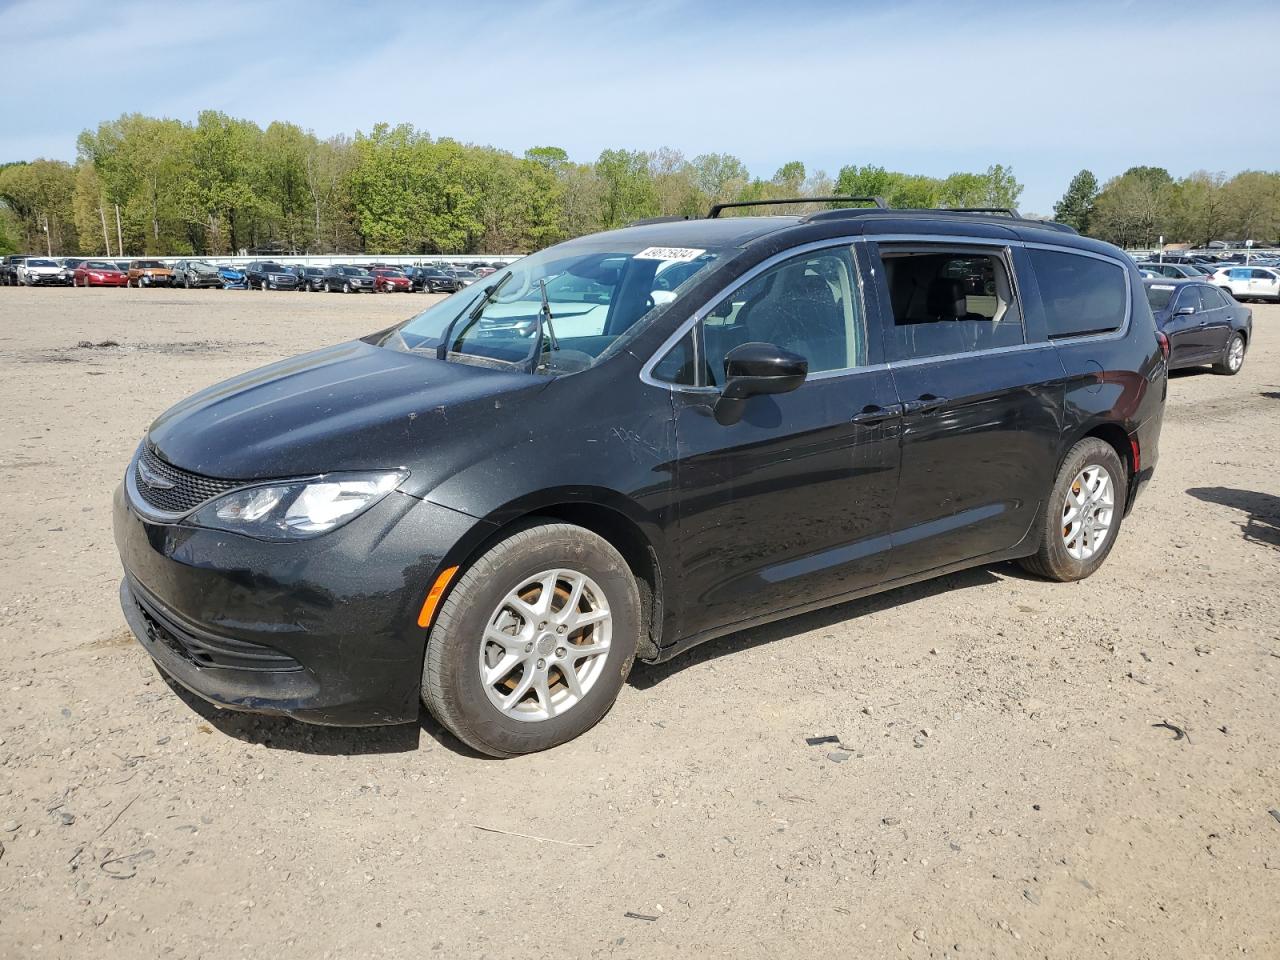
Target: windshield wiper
(544, 319)
(472, 315)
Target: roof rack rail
(1003, 211)
(715, 210)
(647, 220)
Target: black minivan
(633, 442)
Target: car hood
(353, 406)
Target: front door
(982, 406)
(791, 504)
(1185, 330)
(1213, 321)
(1264, 283)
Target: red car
(99, 273)
(391, 281)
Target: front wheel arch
(615, 527)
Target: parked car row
(1257, 280)
(23, 270)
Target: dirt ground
(1000, 788)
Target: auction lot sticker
(683, 254)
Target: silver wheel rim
(1087, 512)
(545, 645)
(1235, 358)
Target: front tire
(1232, 358)
(533, 644)
(1081, 520)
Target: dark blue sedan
(1203, 324)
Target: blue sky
(920, 85)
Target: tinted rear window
(1159, 295)
(1081, 295)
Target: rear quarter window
(1081, 295)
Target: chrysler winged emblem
(151, 478)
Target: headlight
(298, 509)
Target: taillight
(1164, 343)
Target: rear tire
(1232, 361)
(479, 607)
(1074, 543)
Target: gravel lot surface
(999, 787)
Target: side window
(808, 305)
(1187, 297)
(1210, 299)
(677, 364)
(1082, 295)
(1263, 275)
(949, 301)
(1239, 274)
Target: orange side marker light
(433, 596)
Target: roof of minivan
(741, 231)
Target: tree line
(1144, 204)
(146, 185)
(219, 185)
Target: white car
(1244, 283)
(38, 271)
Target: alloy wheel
(545, 645)
(1088, 511)
(1235, 355)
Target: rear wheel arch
(1114, 435)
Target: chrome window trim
(959, 240)
(845, 242)
(1012, 348)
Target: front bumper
(323, 630)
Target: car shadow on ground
(1262, 511)
(283, 733)
(644, 675)
(1272, 394)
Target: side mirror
(1184, 311)
(754, 369)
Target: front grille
(189, 489)
(211, 651)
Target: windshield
(202, 265)
(355, 272)
(1159, 295)
(273, 266)
(99, 265)
(391, 273)
(41, 263)
(596, 289)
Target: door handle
(873, 413)
(927, 403)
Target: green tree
(1075, 209)
(39, 197)
(627, 187)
